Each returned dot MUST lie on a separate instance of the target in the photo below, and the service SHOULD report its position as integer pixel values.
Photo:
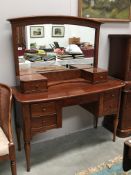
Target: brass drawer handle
(113, 95)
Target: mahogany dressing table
(41, 93)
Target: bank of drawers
(110, 102)
(44, 117)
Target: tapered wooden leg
(115, 127)
(18, 134)
(27, 154)
(95, 121)
(12, 158)
(17, 125)
(13, 167)
(27, 133)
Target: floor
(69, 154)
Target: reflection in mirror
(51, 47)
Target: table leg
(127, 155)
(95, 121)
(27, 154)
(26, 133)
(17, 125)
(115, 126)
(18, 134)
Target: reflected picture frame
(105, 11)
(58, 31)
(36, 31)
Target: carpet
(111, 167)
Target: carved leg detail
(13, 167)
(115, 127)
(27, 153)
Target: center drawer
(41, 109)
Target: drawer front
(110, 102)
(43, 123)
(30, 87)
(81, 99)
(100, 77)
(39, 109)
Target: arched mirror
(47, 43)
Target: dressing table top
(58, 90)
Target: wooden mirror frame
(23, 21)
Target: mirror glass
(51, 47)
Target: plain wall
(74, 118)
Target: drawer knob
(43, 109)
(113, 95)
(101, 76)
(37, 86)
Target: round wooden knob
(36, 86)
(43, 109)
